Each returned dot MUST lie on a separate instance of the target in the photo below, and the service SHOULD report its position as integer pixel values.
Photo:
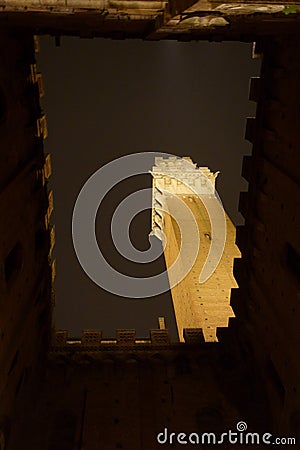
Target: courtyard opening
(105, 99)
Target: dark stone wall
(124, 398)
(25, 275)
(267, 303)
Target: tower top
(181, 175)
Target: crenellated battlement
(128, 338)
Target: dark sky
(107, 98)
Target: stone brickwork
(94, 338)
(25, 277)
(126, 397)
(151, 19)
(267, 303)
(196, 305)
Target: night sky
(105, 99)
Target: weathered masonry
(59, 394)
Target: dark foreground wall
(25, 275)
(267, 305)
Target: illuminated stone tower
(197, 305)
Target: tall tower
(184, 195)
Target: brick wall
(267, 305)
(25, 277)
